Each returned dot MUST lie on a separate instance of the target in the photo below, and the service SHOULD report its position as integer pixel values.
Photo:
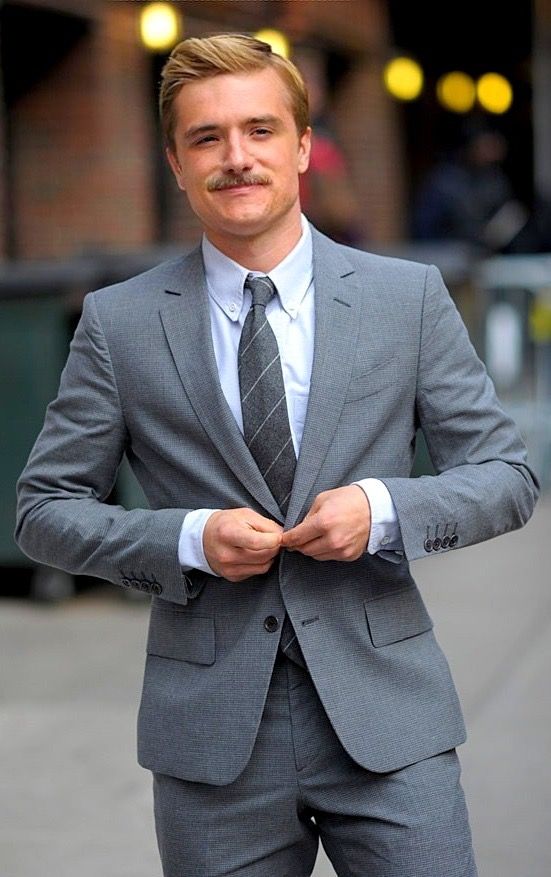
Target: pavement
(74, 802)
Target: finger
(248, 556)
(303, 533)
(254, 540)
(314, 547)
(261, 524)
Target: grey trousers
(300, 786)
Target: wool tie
(265, 419)
(263, 403)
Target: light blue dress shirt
(291, 316)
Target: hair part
(201, 58)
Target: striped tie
(263, 404)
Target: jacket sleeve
(483, 486)
(63, 519)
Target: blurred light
(403, 78)
(160, 26)
(540, 320)
(494, 93)
(456, 92)
(278, 42)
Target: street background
(75, 802)
(86, 199)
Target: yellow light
(160, 26)
(456, 92)
(403, 78)
(494, 93)
(278, 42)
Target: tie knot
(262, 289)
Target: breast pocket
(397, 616)
(372, 381)
(181, 635)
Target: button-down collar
(292, 277)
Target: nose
(236, 156)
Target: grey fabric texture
(390, 354)
(263, 402)
(299, 787)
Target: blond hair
(200, 58)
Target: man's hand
(337, 527)
(239, 543)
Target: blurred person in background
(327, 192)
(266, 390)
(468, 196)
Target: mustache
(228, 181)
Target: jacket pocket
(375, 379)
(181, 635)
(396, 616)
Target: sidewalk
(74, 803)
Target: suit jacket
(391, 354)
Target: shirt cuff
(385, 532)
(191, 554)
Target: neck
(259, 252)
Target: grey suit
(391, 353)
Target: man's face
(237, 154)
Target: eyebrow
(210, 127)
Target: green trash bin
(34, 338)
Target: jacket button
(156, 588)
(125, 582)
(271, 623)
(445, 541)
(454, 540)
(428, 544)
(436, 544)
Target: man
(293, 687)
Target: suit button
(454, 540)
(428, 544)
(271, 623)
(436, 544)
(156, 588)
(125, 582)
(445, 541)
(144, 586)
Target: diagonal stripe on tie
(259, 378)
(264, 422)
(265, 418)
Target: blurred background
(432, 142)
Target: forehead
(223, 98)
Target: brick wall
(84, 144)
(81, 147)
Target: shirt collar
(292, 277)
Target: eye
(261, 132)
(208, 138)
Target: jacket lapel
(186, 322)
(338, 304)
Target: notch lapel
(186, 322)
(338, 305)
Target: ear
(304, 147)
(176, 168)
